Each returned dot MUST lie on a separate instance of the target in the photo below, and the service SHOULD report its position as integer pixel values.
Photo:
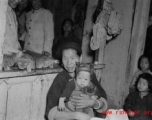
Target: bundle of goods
(44, 62)
(10, 60)
(26, 62)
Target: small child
(81, 84)
(144, 67)
(138, 104)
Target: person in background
(67, 28)
(21, 16)
(70, 54)
(40, 29)
(140, 100)
(11, 44)
(21, 11)
(144, 67)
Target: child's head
(67, 26)
(143, 63)
(144, 82)
(84, 75)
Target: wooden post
(138, 37)
(3, 8)
(86, 57)
(122, 53)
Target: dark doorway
(148, 43)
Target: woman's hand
(47, 54)
(82, 101)
(131, 113)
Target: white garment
(11, 44)
(40, 31)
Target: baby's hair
(148, 78)
(64, 22)
(140, 58)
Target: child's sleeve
(129, 102)
(150, 103)
(68, 89)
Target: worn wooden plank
(19, 80)
(35, 103)
(46, 83)
(86, 51)
(18, 103)
(116, 53)
(26, 99)
(3, 8)
(24, 73)
(3, 100)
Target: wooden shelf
(24, 73)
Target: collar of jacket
(35, 11)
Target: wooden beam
(24, 73)
(86, 51)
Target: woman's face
(23, 4)
(67, 27)
(14, 3)
(36, 4)
(69, 59)
(144, 64)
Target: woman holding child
(70, 53)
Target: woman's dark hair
(64, 22)
(140, 58)
(147, 77)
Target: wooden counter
(24, 73)
(23, 94)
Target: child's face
(83, 79)
(67, 27)
(144, 64)
(142, 85)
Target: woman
(70, 52)
(67, 28)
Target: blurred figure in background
(21, 11)
(11, 44)
(67, 33)
(40, 29)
